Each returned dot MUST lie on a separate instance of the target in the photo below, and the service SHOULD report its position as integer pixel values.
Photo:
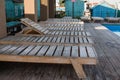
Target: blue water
(60, 9)
(115, 28)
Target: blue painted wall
(13, 10)
(16, 10)
(78, 8)
(103, 10)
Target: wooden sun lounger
(85, 19)
(112, 19)
(95, 19)
(54, 54)
(73, 50)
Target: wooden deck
(107, 46)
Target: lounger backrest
(32, 24)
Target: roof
(18, 1)
(105, 4)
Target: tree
(61, 2)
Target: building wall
(78, 8)
(31, 9)
(102, 11)
(52, 5)
(44, 10)
(3, 31)
(13, 10)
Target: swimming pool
(115, 28)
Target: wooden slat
(72, 33)
(50, 51)
(35, 50)
(36, 39)
(66, 52)
(64, 33)
(54, 39)
(50, 39)
(76, 40)
(88, 34)
(67, 39)
(20, 49)
(1, 46)
(85, 40)
(71, 39)
(27, 50)
(91, 52)
(45, 39)
(53, 33)
(74, 51)
(10, 50)
(61, 33)
(63, 39)
(58, 51)
(80, 39)
(5, 48)
(90, 40)
(83, 52)
(76, 33)
(42, 51)
(80, 33)
(40, 40)
(58, 40)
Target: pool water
(115, 28)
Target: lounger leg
(78, 69)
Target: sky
(114, 2)
(57, 0)
(111, 1)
